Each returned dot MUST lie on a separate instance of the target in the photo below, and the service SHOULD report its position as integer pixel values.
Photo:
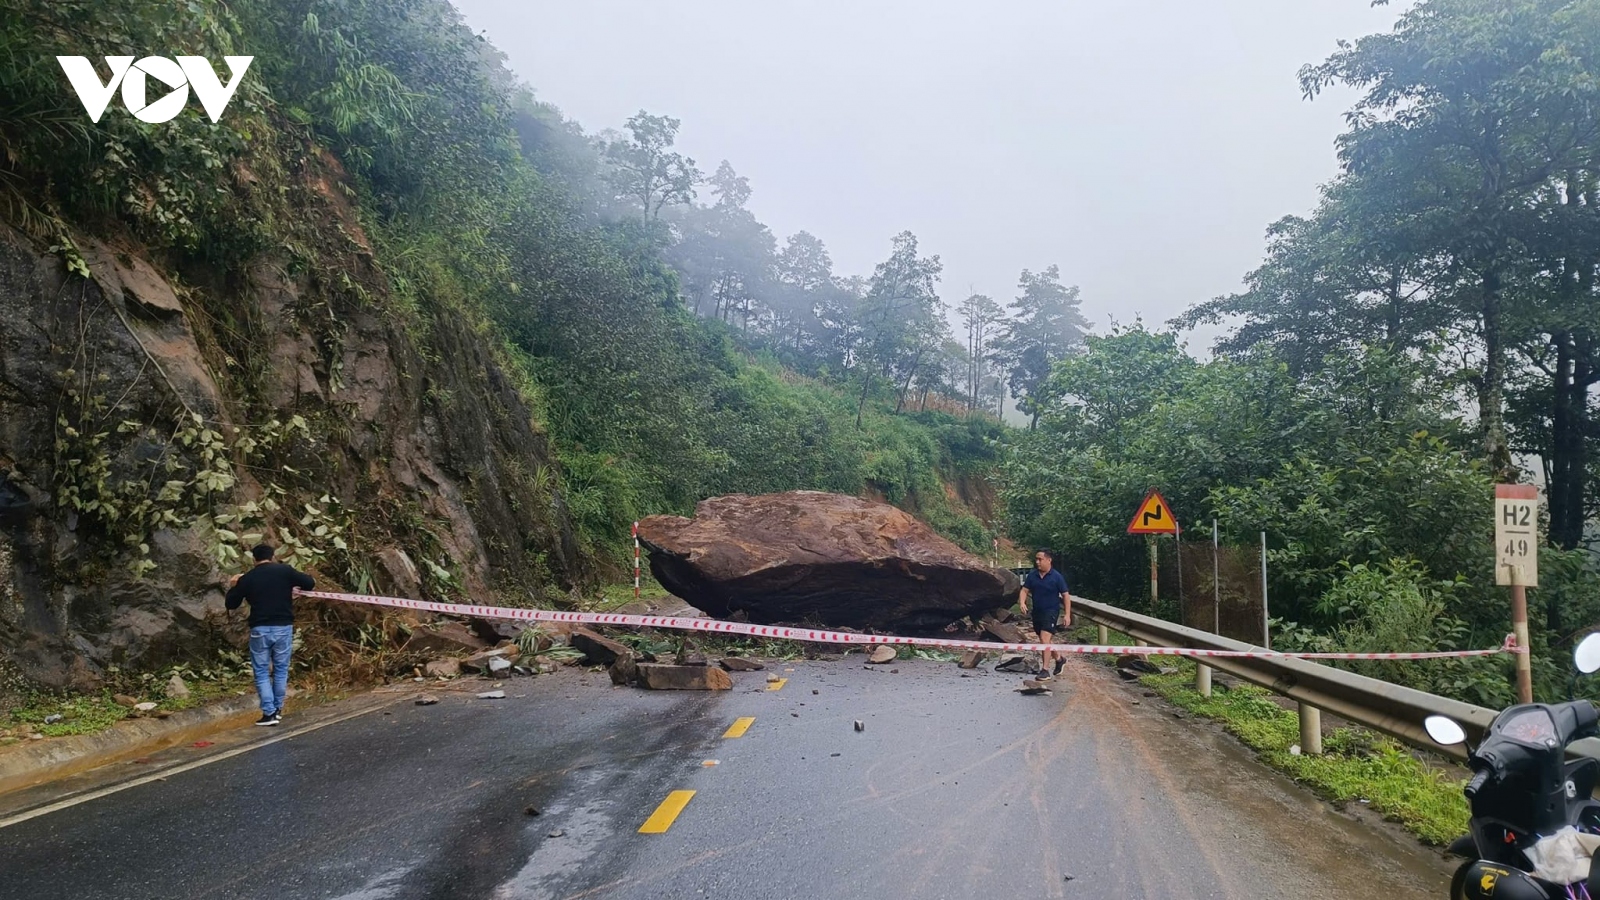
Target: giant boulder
(827, 559)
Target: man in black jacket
(269, 589)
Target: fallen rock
(145, 706)
(530, 810)
(176, 687)
(662, 677)
(125, 700)
(625, 670)
(1012, 662)
(832, 559)
(860, 725)
(427, 700)
(483, 661)
(740, 664)
(1031, 686)
(396, 575)
(443, 668)
(1137, 663)
(492, 695)
(495, 630)
(882, 653)
(499, 667)
(971, 658)
(597, 650)
(445, 637)
(1008, 634)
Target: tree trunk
(1491, 390)
(866, 385)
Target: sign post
(1516, 541)
(1154, 517)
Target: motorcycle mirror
(1445, 731)
(1587, 656)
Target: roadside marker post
(1516, 541)
(636, 562)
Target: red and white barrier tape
(841, 637)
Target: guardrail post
(1202, 679)
(1105, 636)
(1310, 730)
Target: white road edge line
(179, 769)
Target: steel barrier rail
(1389, 708)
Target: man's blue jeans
(269, 656)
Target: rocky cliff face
(150, 418)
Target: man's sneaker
(1060, 664)
(267, 720)
(277, 717)
(1042, 674)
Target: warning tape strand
(790, 633)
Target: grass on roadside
(614, 596)
(90, 713)
(1356, 764)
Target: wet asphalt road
(957, 788)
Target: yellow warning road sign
(1154, 516)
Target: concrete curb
(36, 762)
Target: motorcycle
(1535, 825)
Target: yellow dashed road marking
(666, 813)
(777, 685)
(739, 727)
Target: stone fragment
(427, 700)
(882, 653)
(740, 664)
(1002, 631)
(492, 695)
(597, 650)
(971, 658)
(443, 668)
(662, 677)
(176, 688)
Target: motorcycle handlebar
(1476, 784)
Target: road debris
(176, 688)
(1011, 662)
(860, 725)
(1033, 686)
(663, 677)
(971, 658)
(740, 664)
(1002, 631)
(530, 810)
(882, 654)
(597, 650)
(442, 668)
(492, 695)
(427, 700)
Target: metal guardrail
(1389, 708)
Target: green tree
(1047, 325)
(647, 170)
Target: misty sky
(1142, 146)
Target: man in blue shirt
(1047, 588)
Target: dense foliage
(657, 344)
(1450, 267)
